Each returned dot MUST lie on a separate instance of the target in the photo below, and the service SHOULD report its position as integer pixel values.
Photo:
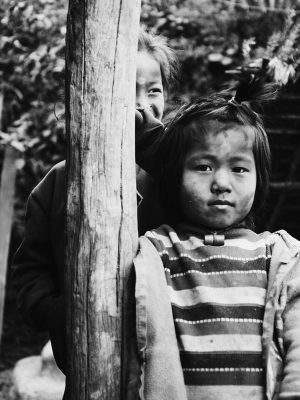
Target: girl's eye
(240, 170)
(203, 168)
(155, 90)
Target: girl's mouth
(221, 203)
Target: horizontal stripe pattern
(228, 295)
(233, 359)
(205, 368)
(186, 280)
(224, 376)
(220, 342)
(217, 295)
(215, 265)
(207, 273)
(205, 311)
(225, 392)
(175, 254)
(231, 326)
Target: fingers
(139, 119)
(148, 115)
(149, 119)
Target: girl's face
(149, 88)
(219, 177)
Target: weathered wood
(7, 192)
(101, 201)
(280, 202)
(288, 185)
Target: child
(217, 304)
(38, 266)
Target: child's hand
(139, 119)
(145, 120)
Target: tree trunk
(101, 201)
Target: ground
(18, 341)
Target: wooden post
(7, 192)
(101, 201)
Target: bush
(32, 49)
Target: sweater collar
(214, 237)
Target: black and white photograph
(150, 200)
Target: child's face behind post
(149, 87)
(219, 177)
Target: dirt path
(18, 339)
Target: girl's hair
(158, 48)
(188, 126)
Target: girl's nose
(221, 182)
(141, 100)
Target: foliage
(211, 36)
(32, 63)
(32, 42)
(279, 60)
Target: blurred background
(216, 42)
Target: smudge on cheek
(247, 203)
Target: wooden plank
(101, 202)
(283, 131)
(288, 185)
(7, 192)
(7, 187)
(281, 200)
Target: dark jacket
(38, 266)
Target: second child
(39, 265)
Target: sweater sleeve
(34, 271)
(147, 134)
(40, 298)
(290, 386)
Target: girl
(38, 266)
(157, 69)
(219, 316)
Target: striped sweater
(218, 296)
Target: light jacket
(161, 375)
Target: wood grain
(101, 194)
